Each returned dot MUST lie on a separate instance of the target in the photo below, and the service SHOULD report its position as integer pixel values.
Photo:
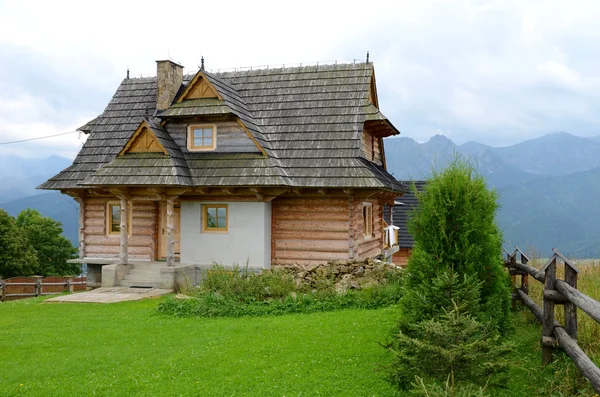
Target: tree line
(32, 244)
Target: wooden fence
(556, 292)
(28, 287)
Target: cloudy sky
(498, 72)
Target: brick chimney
(169, 77)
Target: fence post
(38, 285)
(571, 309)
(3, 285)
(548, 340)
(69, 280)
(524, 276)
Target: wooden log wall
(372, 148)
(142, 241)
(230, 137)
(368, 247)
(400, 258)
(310, 230)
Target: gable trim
(192, 84)
(373, 91)
(143, 128)
(241, 123)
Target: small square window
(202, 137)
(214, 218)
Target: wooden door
(162, 230)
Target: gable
(373, 92)
(143, 140)
(199, 87)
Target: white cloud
(495, 71)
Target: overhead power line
(38, 138)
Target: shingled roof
(308, 120)
(402, 211)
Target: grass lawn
(126, 349)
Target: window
(368, 219)
(202, 137)
(113, 218)
(214, 218)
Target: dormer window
(202, 137)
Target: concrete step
(142, 278)
(145, 271)
(126, 283)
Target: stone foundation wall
(352, 274)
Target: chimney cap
(170, 61)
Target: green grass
(127, 349)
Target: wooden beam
(81, 202)
(229, 190)
(258, 192)
(120, 192)
(202, 190)
(170, 233)
(124, 231)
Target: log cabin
(258, 167)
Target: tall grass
(238, 292)
(567, 379)
(588, 282)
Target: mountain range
(549, 187)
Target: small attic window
(202, 137)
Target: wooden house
(270, 166)
(397, 215)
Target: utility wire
(584, 249)
(38, 138)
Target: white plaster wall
(248, 237)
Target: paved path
(110, 295)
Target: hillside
(547, 186)
(54, 205)
(20, 176)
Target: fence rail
(29, 287)
(556, 292)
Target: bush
(454, 230)
(448, 389)
(245, 285)
(454, 343)
(239, 292)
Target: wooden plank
(312, 245)
(302, 255)
(95, 230)
(281, 209)
(548, 321)
(170, 234)
(370, 254)
(139, 241)
(570, 308)
(337, 226)
(582, 301)
(124, 230)
(581, 360)
(300, 216)
(95, 214)
(309, 234)
(325, 202)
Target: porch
(109, 272)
